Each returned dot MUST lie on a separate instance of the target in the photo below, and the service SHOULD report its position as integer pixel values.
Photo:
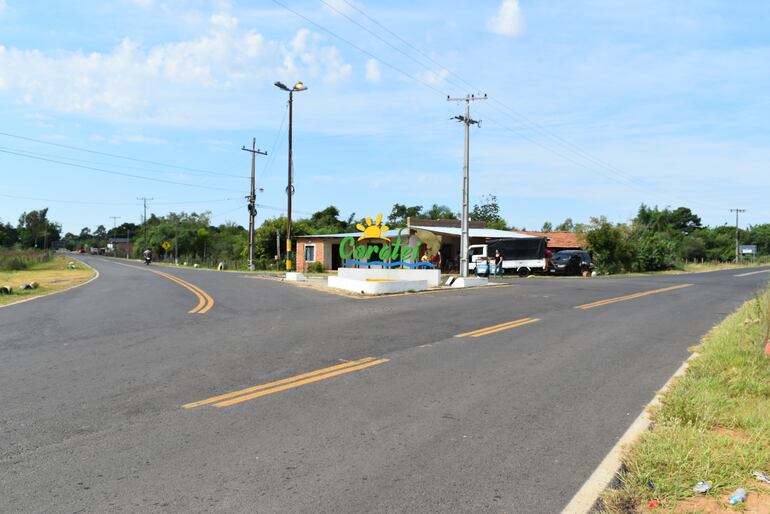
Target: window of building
(309, 253)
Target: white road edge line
(96, 271)
(585, 499)
(752, 273)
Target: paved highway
(176, 390)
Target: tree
(566, 226)
(489, 212)
(400, 213)
(609, 245)
(547, 227)
(9, 236)
(653, 251)
(36, 230)
(441, 212)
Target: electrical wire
(607, 169)
(122, 166)
(119, 173)
(117, 156)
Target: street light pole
(464, 222)
(299, 86)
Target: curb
(96, 275)
(587, 499)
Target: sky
(592, 107)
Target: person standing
(498, 263)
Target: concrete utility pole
(128, 246)
(737, 237)
(467, 121)
(252, 199)
(299, 86)
(278, 244)
(145, 218)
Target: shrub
(315, 267)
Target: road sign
(166, 245)
(748, 249)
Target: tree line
(654, 239)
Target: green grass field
(713, 424)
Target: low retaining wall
(431, 276)
(390, 286)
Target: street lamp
(299, 86)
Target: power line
(347, 42)
(613, 171)
(117, 156)
(122, 166)
(119, 173)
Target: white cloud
(434, 78)
(508, 21)
(373, 72)
(136, 83)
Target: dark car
(571, 262)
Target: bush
(315, 267)
(654, 252)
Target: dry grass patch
(51, 276)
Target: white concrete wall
(431, 276)
(364, 287)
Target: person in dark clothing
(498, 263)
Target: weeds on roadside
(712, 424)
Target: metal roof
(486, 233)
(387, 233)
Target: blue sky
(594, 107)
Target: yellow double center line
(205, 301)
(498, 328)
(608, 301)
(227, 399)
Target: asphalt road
(94, 384)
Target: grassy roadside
(51, 276)
(713, 424)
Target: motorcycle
(147, 260)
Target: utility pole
(128, 247)
(145, 218)
(737, 237)
(176, 240)
(278, 244)
(114, 221)
(467, 121)
(252, 199)
(299, 86)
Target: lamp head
(281, 85)
(299, 86)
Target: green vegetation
(661, 239)
(713, 423)
(655, 240)
(50, 271)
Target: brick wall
(319, 253)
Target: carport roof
(484, 233)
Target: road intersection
(177, 390)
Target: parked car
(571, 262)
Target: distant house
(119, 246)
(560, 240)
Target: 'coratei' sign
(396, 253)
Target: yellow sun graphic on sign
(373, 230)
